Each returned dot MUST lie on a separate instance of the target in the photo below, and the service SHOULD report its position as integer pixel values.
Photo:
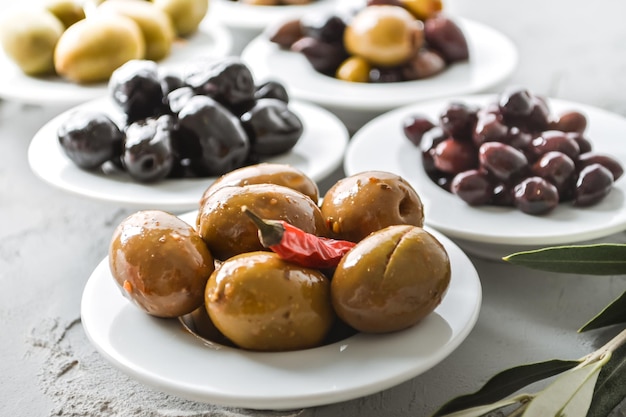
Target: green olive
(267, 173)
(261, 302)
(384, 35)
(156, 26)
(354, 69)
(67, 11)
(186, 15)
(391, 280)
(362, 203)
(228, 231)
(91, 49)
(160, 263)
(29, 38)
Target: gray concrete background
(50, 241)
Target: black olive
(90, 138)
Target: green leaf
(551, 401)
(506, 383)
(611, 386)
(614, 313)
(580, 403)
(484, 409)
(599, 259)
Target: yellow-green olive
(67, 11)
(160, 263)
(261, 302)
(354, 69)
(362, 203)
(186, 15)
(422, 9)
(391, 280)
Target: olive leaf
(610, 389)
(505, 383)
(597, 259)
(614, 313)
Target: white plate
(318, 152)
(381, 144)
(211, 40)
(493, 57)
(237, 15)
(159, 353)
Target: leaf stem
(608, 348)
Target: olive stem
(270, 231)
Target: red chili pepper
(296, 245)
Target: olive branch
(592, 386)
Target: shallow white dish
(237, 15)
(493, 57)
(159, 353)
(211, 40)
(493, 231)
(318, 152)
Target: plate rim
(572, 236)
(461, 265)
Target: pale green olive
(186, 15)
(67, 11)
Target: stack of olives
(207, 122)
(85, 42)
(241, 294)
(513, 152)
(385, 41)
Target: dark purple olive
(473, 187)
(502, 161)
(271, 89)
(570, 121)
(414, 126)
(379, 75)
(453, 156)
(170, 81)
(444, 36)
(135, 88)
(606, 161)
(502, 195)
(148, 154)
(554, 140)
(518, 138)
(227, 80)
(558, 169)
(583, 143)
(539, 118)
(223, 141)
(594, 183)
(179, 97)
(534, 195)
(272, 127)
(424, 64)
(431, 138)
(90, 138)
(326, 27)
(458, 120)
(515, 103)
(324, 57)
(284, 34)
(489, 128)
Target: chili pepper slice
(295, 245)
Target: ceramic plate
(493, 57)
(381, 144)
(212, 40)
(318, 153)
(159, 353)
(237, 15)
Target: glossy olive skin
(263, 303)
(266, 173)
(360, 204)
(224, 143)
(228, 231)
(89, 138)
(391, 280)
(148, 154)
(160, 263)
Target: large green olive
(362, 203)
(261, 302)
(156, 26)
(391, 280)
(29, 38)
(160, 263)
(267, 173)
(186, 15)
(228, 231)
(91, 49)
(67, 11)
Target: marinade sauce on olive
(391, 280)
(362, 203)
(261, 302)
(228, 231)
(160, 263)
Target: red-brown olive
(324, 57)
(534, 195)
(453, 156)
(502, 161)
(559, 169)
(606, 161)
(489, 128)
(594, 183)
(554, 140)
(473, 187)
(415, 126)
(515, 103)
(446, 37)
(570, 121)
(458, 120)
